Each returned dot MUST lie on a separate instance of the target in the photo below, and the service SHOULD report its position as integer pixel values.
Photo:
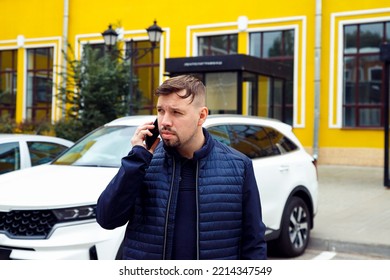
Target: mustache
(167, 129)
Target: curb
(375, 250)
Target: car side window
(9, 157)
(43, 152)
(252, 140)
(280, 141)
(220, 133)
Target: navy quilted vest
(219, 205)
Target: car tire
(295, 229)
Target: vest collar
(199, 154)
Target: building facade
(312, 64)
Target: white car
(18, 151)
(48, 212)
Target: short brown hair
(192, 85)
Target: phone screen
(149, 140)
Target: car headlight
(75, 213)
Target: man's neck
(196, 145)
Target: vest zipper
(197, 210)
(167, 213)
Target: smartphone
(149, 140)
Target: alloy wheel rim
(298, 227)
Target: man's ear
(204, 112)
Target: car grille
(35, 224)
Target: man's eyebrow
(170, 108)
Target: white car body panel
(62, 186)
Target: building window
(363, 97)
(277, 46)
(218, 45)
(8, 69)
(39, 84)
(221, 92)
(99, 48)
(273, 45)
(144, 67)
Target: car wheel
(295, 229)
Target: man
(190, 197)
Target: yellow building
(313, 64)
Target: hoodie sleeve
(116, 202)
(253, 243)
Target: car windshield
(104, 147)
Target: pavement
(353, 211)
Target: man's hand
(140, 134)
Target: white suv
(48, 211)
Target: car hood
(53, 186)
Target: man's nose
(166, 120)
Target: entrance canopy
(240, 84)
(221, 63)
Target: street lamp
(110, 37)
(154, 33)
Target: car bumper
(74, 242)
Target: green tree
(96, 91)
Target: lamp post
(384, 56)
(110, 39)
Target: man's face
(178, 120)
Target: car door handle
(283, 168)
